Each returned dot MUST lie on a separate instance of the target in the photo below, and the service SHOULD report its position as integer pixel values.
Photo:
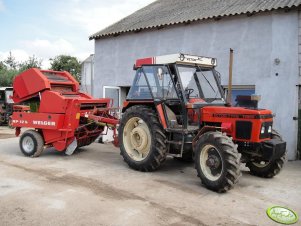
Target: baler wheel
(10, 122)
(267, 169)
(142, 139)
(31, 143)
(217, 161)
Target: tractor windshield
(200, 83)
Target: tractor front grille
(243, 130)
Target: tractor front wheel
(142, 139)
(217, 161)
(31, 143)
(267, 169)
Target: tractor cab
(179, 85)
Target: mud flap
(71, 148)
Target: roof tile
(169, 12)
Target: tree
(66, 63)
(9, 68)
(32, 62)
(11, 62)
(7, 75)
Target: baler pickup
(63, 114)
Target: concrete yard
(95, 187)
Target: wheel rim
(211, 162)
(261, 164)
(28, 144)
(137, 139)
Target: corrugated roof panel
(168, 12)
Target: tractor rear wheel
(31, 143)
(142, 139)
(217, 161)
(267, 169)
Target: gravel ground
(95, 187)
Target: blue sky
(46, 28)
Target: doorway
(118, 95)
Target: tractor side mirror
(160, 73)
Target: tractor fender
(204, 129)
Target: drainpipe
(92, 75)
(229, 96)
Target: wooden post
(229, 93)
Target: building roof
(169, 12)
(88, 59)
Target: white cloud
(46, 49)
(41, 49)
(94, 15)
(83, 18)
(19, 54)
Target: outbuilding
(265, 36)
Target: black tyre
(217, 161)
(9, 123)
(267, 169)
(142, 139)
(31, 143)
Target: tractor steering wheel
(188, 92)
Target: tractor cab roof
(178, 58)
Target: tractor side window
(160, 82)
(139, 89)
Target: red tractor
(176, 107)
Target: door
(113, 92)
(240, 90)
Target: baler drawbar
(65, 118)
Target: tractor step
(174, 142)
(183, 131)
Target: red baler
(65, 118)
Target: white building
(87, 74)
(265, 35)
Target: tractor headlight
(270, 129)
(262, 129)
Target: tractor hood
(235, 112)
(243, 124)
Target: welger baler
(65, 118)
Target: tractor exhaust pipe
(229, 93)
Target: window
(200, 83)
(240, 90)
(160, 82)
(152, 81)
(2, 96)
(139, 89)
